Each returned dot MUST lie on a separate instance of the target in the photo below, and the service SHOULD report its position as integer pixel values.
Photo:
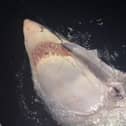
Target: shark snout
(31, 26)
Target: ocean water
(92, 26)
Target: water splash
(73, 35)
(31, 106)
(97, 21)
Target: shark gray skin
(78, 88)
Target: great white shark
(78, 88)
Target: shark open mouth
(46, 49)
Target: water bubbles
(70, 29)
(36, 100)
(99, 21)
(79, 22)
(79, 37)
(114, 55)
(123, 46)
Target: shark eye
(117, 92)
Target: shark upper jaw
(39, 41)
(34, 34)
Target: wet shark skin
(76, 86)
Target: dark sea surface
(92, 26)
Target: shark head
(73, 82)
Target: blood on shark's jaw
(47, 49)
